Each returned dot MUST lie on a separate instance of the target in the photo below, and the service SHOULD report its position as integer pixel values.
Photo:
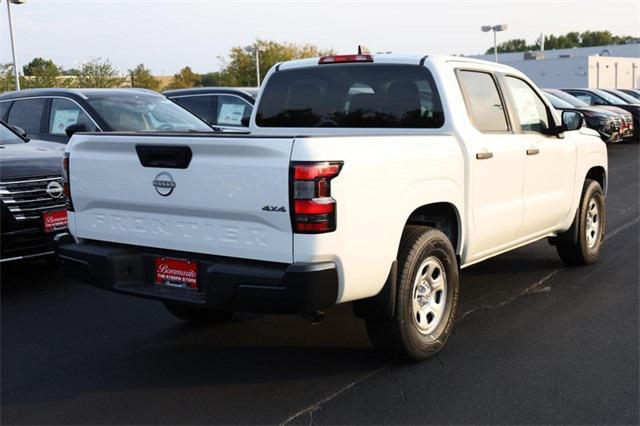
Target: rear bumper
(224, 283)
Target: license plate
(54, 221)
(178, 273)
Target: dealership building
(607, 67)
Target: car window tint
(27, 114)
(231, 111)
(65, 113)
(484, 105)
(531, 110)
(200, 105)
(4, 108)
(351, 95)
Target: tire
(415, 333)
(195, 315)
(581, 244)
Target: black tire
(195, 315)
(401, 337)
(574, 246)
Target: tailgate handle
(166, 157)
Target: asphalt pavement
(535, 342)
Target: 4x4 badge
(274, 209)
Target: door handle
(484, 155)
(533, 151)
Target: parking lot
(535, 342)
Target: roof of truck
(395, 58)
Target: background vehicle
(364, 178)
(31, 198)
(601, 97)
(633, 92)
(607, 123)
(227, 108)
(624, 96)
(46, 113)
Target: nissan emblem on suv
(54, 189)
(164, 184)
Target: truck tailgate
(231, 200)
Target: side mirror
(572, 120)
(20, 131)
(76, 128)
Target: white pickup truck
(365, 178)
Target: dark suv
(226, 108)
(31, 195)
(46, 113)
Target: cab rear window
(351, 95)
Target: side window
(27, 114)
(231, 111)
(202, 106)
(586, 98)
(4, 108)
(484, 105)
(65, 113)
(532, 112)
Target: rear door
(230, 199)
(497, 166)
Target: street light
(495, 29)
(13, 45)
(257, 48)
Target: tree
(7, 79)
(566, 41)
(211, 79)
(185, 78)
(99, 73)
(141, 77)
(240, 70)
(42, 73)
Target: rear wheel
(426, 297)
(581, 244)
(196, 315)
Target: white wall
(620, 50)
(556, 73)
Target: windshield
(351, 95)
(146, 113)
(8, 137)
(557, 102)
(625, 97)
(609, 97)
(572, 100)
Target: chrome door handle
(533, 151)
(484, 155)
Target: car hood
(35, 158)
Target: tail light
(342, 59)
(313, 211)
(66, 186)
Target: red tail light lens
(66, 186)
(313, 209)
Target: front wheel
(581, 244)
(426, 297)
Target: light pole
(13, 44)
(495, 29)
(259, 49)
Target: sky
(167, 35)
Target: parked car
(227, 108)
(601, 97)
(46, 113)
(633, 92)
(352, 185)
(607, 123)
(31, 197)
(624, 96)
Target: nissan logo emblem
(54, 189)
(164, 184)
